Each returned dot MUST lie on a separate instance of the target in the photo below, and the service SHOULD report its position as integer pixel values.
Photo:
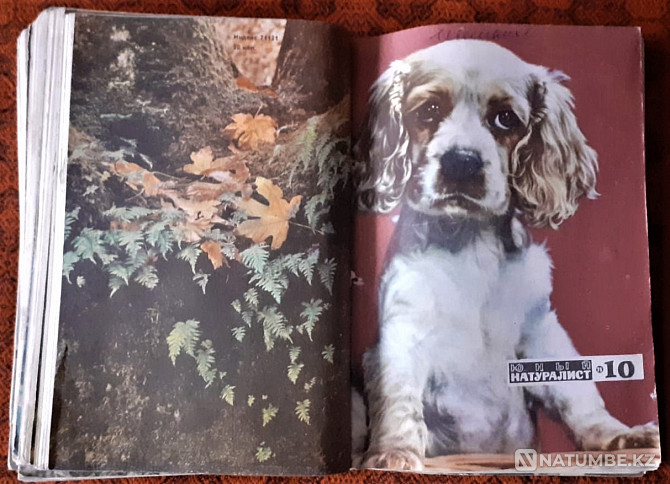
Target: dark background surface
(369, 18)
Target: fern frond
(327, 273)
(147, 276)
(183, 337)
(115, 283)
(310, 384)
(239, 333)
(204, 359)
(70, 218)
(190, 254)
(201, 280)
(255, 257)
(88, 244)
(328, 353)
(228, 394)
(69, 260)
(251, 297)
(269, 413)
(293, 371)
(302, 410)
(307, 264)
(294, 353)
(131, 240)
(263, 453)
(310, 315)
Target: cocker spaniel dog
(471, 140)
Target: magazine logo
(586, 368)
(528, 460)
(525, 460)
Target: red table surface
(362, 17)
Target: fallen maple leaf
(250, 132)
(202, 160)
(272, 219)
(231, 172)
(213, 251)
(151, 184)
(124, 167)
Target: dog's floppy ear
(384, 163)
(552, 167)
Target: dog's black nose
(460, 165)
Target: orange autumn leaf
(269, 220)
(151, 184)
(202, 160)
(124, 167)
(213, 251)
(250, 132)
(248, 85)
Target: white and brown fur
(473, 143)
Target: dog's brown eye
(428, 113)
(506, 120)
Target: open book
(210, 281)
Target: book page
(501, 247)
(205, 302)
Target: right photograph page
(501, 294)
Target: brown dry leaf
(250, 132)
(124, 167)
(246, 84)
(272, 219)
(151, 184)
(213, 251)
(202, 160)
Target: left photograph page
(204, 317)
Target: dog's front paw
(396, 459)
(639, 437)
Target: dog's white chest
(459, 316)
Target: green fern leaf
(201, 280)
(239, 333)
(147, 277)
(183, 337)
(247, 317)
(293, 371)
(115, 283)
(70, 218)
(88, 244)
(255, 257)
(302, 410)
(228, 394)
(328, 353)
(69, 260)
(190, 254)
(310, 314)
(204, 359)
(307, 265)
(160, 237)
(274, 326)
(251, 297)
(310, 384)
(263, 453)
(131, 240)
(269, 413)
(294, 353)
(237, 305)
(327, 273)
(250, 400)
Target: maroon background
(601, 275)
(373, 17)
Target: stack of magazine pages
(261, 246)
